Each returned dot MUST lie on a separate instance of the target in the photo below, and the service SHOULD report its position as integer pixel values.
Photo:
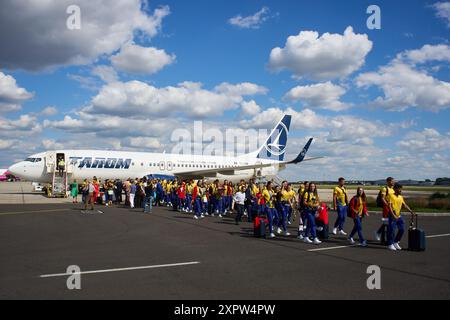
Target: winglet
(301, 155)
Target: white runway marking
(439, 235)
(342, 247)
(120, 269)
(332, 248)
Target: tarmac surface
(168, 255)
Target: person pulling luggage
(396, 222)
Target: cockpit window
(38, 159)
(30, 159)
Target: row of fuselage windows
(200, 166)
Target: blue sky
(377, 101)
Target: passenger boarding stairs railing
(59, 184)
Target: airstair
(59, 181)
(59, 184)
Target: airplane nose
(14, 169)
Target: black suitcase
(323, 234)
(384, 234)
(260, 231)
(416, 236)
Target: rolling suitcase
(259, 228)
(384, 234)
(416, 236)
(322, 232)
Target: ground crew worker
(340, 202)
(396, 203)
(61, 166)
(358, 209)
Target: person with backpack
(196, 200)
(396, 203)
(292, 203)
(383, 202)
(283, 205)
(301, 209)
(89, 189)
(357, 211)
(269, 200)
(340, 203)
(311, 203)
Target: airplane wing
(232, 169)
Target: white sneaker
(220, 216)
(397, 246)
(334, 231)
(195, 217)
(377, 236)
(272, 235)
(289, 223)
(307, 240)
(342, 233)
(202, 216)
(300, 237)
(351, 240)
(279, 230)
(317, 241)
(392, 247)
(287, 234)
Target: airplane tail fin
(274, 147)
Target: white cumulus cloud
(325, 57)
(136, 59)
(11, 95)
(46, 42)
(404, 86)
(190, 98)
(321, 95)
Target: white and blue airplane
(85, 164)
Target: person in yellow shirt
(292, 202)
(385, 193)
(340, 202)
(311, 203)
(396, 204)
(269, 199)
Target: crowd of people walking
(280, 205)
